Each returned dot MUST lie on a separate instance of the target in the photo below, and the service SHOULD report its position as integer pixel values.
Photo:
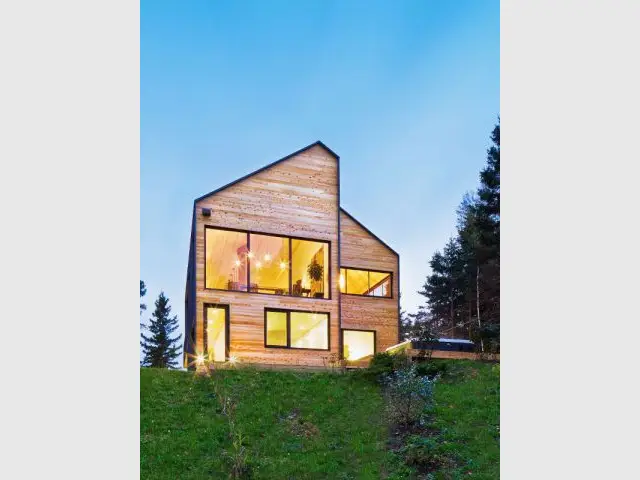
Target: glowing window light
(267, 257)
(283, 265)
(258, 264)
(200, 359)
(237, 262)
(250, 254)
(341, 282)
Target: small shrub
(409, 396)
(335, 363)
(238, 457)
(381, 364)
(401, 360)
(431, 369)
(384, 363)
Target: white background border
(69, 196)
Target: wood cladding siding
(299, 197)
(360, 249)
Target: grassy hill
(305, 425)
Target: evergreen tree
(160, 350)
(143, 292)
(444, 290)
(422, 327)
(405, 325)
(463, 290)
(488, 224)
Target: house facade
(279, 273)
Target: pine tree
(423, 326)
(479, 239)
(463, 290)
(160, 350)
(405, 325)
(444, 290)
(487, 220)
(143, 292)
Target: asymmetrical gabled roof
(368, 231)
(318, 144)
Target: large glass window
(309, 330)
(365, 282)
(262, 263)
(269, 264)
(226, 259)
(295, 329)
(358, 344)
(310, 268)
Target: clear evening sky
(406, 92)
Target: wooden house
(280, 274)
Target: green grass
(307, 425)
(467, 414)
(183, 434)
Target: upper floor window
(262, 263)
(369, 283)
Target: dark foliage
(160, 350)
(381, 364)
(463, 290)
(143, 292)
(431, 369)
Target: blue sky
(406, 92)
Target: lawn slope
(295, 425)
(307, 425)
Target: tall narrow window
(296, 329)
(226, 259)
(365, 282)
(269, 264)
(276, 328)
(310, 268)
(216, 334)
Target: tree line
(462, 292)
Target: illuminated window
(309, 268)
(358, 344)
(365, 282)
(215, 339)
(276, 328)
(226, 259)
(262, 263)
(269, 264)
(295, 329)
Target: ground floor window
(296, 329)
(358, 344)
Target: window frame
(368, 270)
(375, 338)
(227, 328)
(248, 260)
(288, 346)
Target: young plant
(409, 396)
